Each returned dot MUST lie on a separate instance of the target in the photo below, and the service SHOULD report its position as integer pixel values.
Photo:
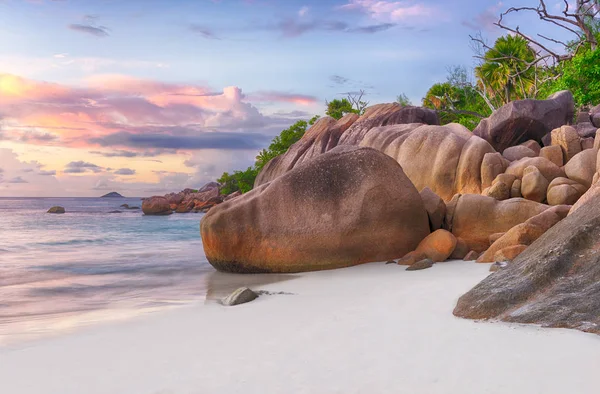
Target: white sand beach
(368, 329)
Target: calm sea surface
(59, 272)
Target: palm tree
(508, 70)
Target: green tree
(457, 99)
(244, 180)
(507, 71)
(239, 180)
(581, 75)
(403, 100)
(337, 108)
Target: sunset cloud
(273, 96)
(123, 112)
(389, 10)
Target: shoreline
(371, 328)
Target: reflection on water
(62, 272)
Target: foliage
(403, 100)
(507, 71)
(581, 75)
(239, 180)
(337, 108)
(457, 100)
(352, 104)
(244, 180)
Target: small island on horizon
(112, 195)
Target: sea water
(62, 271)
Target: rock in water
(56, 210)
(555, 282)
(156, 206)
(240, 296)
(346, 207)
(522, 120)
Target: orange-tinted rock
(492, 165)
(517, 153)
(509, 253)
(515, 189)
(157, 206)
(597, 140)
(525, 233)
(447, 159)
(437, 246)
(564, 191)
(494, 237)
(346, 207)
(474, 217)
(471, 256)
(385, 115)
(185, 207)
(582, 167)
(554, 283)
(460, 250)
(321, 137)
(411, 258)
(533, 145)
(554, 154)
(435, 207)
(567, 138)
(587, 143)
(499, 191)
(548, 169)
(534, 185)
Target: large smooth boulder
(554, 154)
(321, 137)
(517, 153)
(586, 129)
(346, 207)
(156, 206)
(553, 283)
(525, 233)
(534, 185)
(492, 165)
(564, 191)
(595, 115)
(437, 246)
(533, 145)
(447, 159)
(567, 138)
(475, 217)
(435, 207)
(582, 167)
(523, 120)
(387, 115)
(548, 169)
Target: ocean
(62, 272)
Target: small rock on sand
(420, 265)
(240, 296)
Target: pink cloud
(123, 107)
(389, 11)
(280, 97)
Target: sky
(146, 97)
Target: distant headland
(112, 195)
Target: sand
(368, 329)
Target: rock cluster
(188, 200)
(394, 185)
